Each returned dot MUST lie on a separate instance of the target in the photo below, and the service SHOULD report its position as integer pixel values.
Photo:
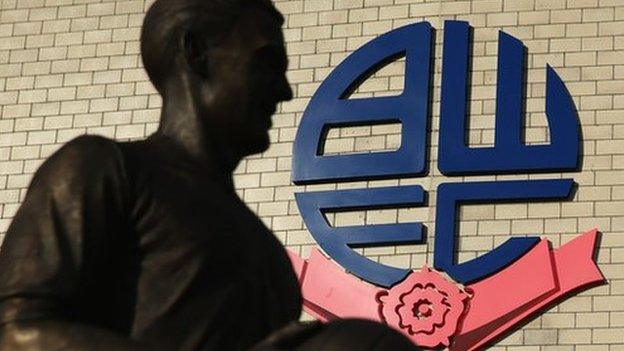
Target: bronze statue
(145, 245)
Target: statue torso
(211, 275)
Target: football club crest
(462, 306)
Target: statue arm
(58, 335)
(58, 288)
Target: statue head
(225, 61)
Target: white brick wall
(72, 67)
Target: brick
(598, 15)
(567, 16)
(580, 59)
(16, 181)
(11, 16)
(549, 4)
(20, 83)
(65, 66)
(612, 208)
(456, 7)
(333, 17)
(610, 335)
(41, 137)
(100, 9)
(502, 19)
(261, 165)
(550, 31)
(68, 39)
(544, 210)
(582, 30)
(45, 109)
(348, 4)
(84, 24)
(129, 7)
(30, 96)
(558, 320)
(287, 223)
(303, 20)
(53, 53)
(363, 15)
(97, 36)
(596, 102)
(26, 28)
(90, 92)
(611, 28)
(39, 14)
(56, 26)
(25, 152)
(12, 43)
(94, 64)
(596, 73)
(611, 87)
(81, 51)
(26, 124)
(61, 94)
(126, 34)
(275, 179)
(312, 33)
(114, 21)
(108, 76)
(116, 62)
(273, 208)
(75, 79)
(117, 117)
(10, 168)
(426, 9)
(133, 102)
(39, 41)
(346, 30)
(485, 6)
(13, 111)
(597, 44)
(299, 237)
(57, 122)
(87, 120)
(259, 195)
(72, 11)
(609, 57)
(393, 12)
(541, 337)
(575, 336)
(102, 105)
(8, 98)
(568, 225)
(9, 196)
(130, 131)
(582, 3)
(534, 17)
(247, 181)
(377, 28)
(515, 5)
(608, 303)
(318, 5)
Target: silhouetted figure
(145, 245)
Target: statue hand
(289, 337)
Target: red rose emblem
(425, 307)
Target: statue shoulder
(89, 146)
(82, 160)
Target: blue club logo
(330, 107)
